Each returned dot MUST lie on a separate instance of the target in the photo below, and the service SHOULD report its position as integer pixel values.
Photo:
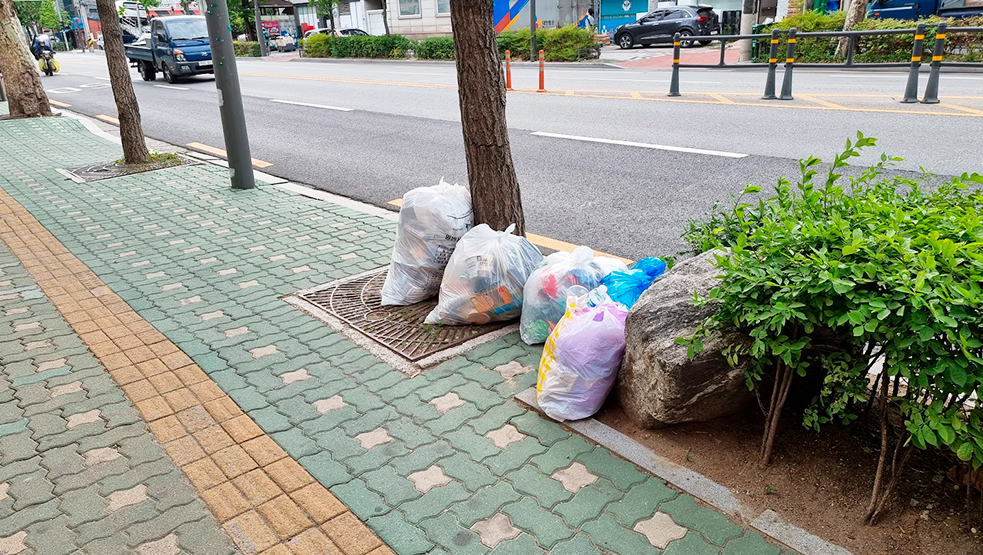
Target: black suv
(661, 25)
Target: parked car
(337, 32)
(177, 46)
(660, 26)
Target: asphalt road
(399, 130)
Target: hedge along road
(604, 182)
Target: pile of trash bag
(484, 278)
(562, 275)
(431, 221)
(626, 287)
(582, 356)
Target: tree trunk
(25, 95)
(857, 10)
(127, 109)
(481, 88)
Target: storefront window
(409, 7)
(443, 6)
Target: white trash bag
(582, 356)
(431, 221)
(484, 279)
(562, 275)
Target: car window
(676, 14)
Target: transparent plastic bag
(484, 279)
(562, 275)
(431, 221)
(626, 287)
(581, 358)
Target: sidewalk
(445, 461)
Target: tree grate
(357, 302)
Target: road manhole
(355, 305)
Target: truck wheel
(168, 74)
(147, 71)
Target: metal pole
(508, 70)
(789, 66)
(229, 96)
(264, 48)
(532, 30)
(932, 89)
(61, 28)
(772, 67)
(911, 87)
(674, 80)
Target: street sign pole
(533, 51)
(229, 95)
(264, 48)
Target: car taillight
(703, 18)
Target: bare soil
(821, 482)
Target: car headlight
(179, 55)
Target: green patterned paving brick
(609, 535)
(713, 525)
(236, 325)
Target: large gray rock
(658, 383)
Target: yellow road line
(966, 109)
(543, 241)
(714, 97)
(821, 102)
(723, 99)
(110, 119)
(58, 104)
(219, 152)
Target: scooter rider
(40, 44)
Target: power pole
(533, 51)
(229, 95)
(264, 48)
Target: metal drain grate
(357, 301)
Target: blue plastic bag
(627, 287)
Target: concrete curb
(693, 483)
(574, 65)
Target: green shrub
(318, 46)
(387, 46)
(959, 47)
(566, 44)
(435, 48)
(890, 267)
(245, 49)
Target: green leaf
(850, 249)
(751, 189)
(958, 375)
(965, 451)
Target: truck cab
(177, 46)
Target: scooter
(47, 62)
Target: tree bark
(854, 15)
(481, 88)
(385, 16)
(127, 109)
(25, 95)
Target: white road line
(308, 104)
(171, 87)
(641, 145)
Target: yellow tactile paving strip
(264, 499)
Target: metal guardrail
(793, 36)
